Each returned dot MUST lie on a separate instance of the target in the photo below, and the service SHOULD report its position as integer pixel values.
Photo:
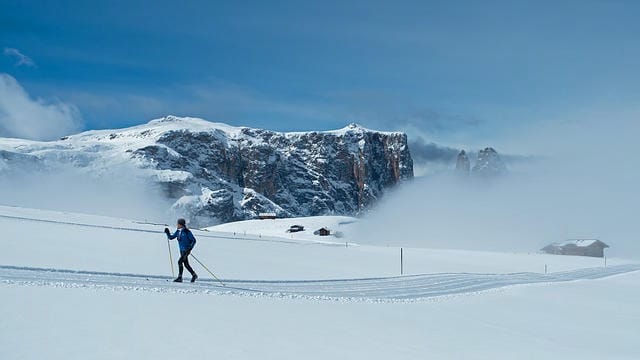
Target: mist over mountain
(430, 158)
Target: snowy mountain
(489, 163)
(213, 172)
(463, 165)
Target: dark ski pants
(184, 259)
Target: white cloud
(21, 59)
(584, 185)
(22, 116)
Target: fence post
(401, 261)
(545, 269)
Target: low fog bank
(431, 159)
(117, 193)
(584, 184)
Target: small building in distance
(295, 228)
(266, 215)
(578, 247)
(322, 232)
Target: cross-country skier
(186, 241)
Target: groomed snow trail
(388, 289)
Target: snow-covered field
(343, 226)
(78, 286)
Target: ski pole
(173, 274)
(206, 268)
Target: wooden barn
(322, 232)
(266, 215)
(295, 228)
(578, 247)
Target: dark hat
(182, 222)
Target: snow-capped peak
(172, 122)
(354, 128)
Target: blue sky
(447, 70)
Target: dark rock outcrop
(463, 165)
(236, 176)
(489, 164)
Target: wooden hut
(295, 228)
(266, 215)
(578, 247)
(322, 232)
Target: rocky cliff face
(489, 164)
(463, 165)
(218, 173)
(238, 175)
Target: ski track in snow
(408, 288)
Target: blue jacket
(186, 240)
